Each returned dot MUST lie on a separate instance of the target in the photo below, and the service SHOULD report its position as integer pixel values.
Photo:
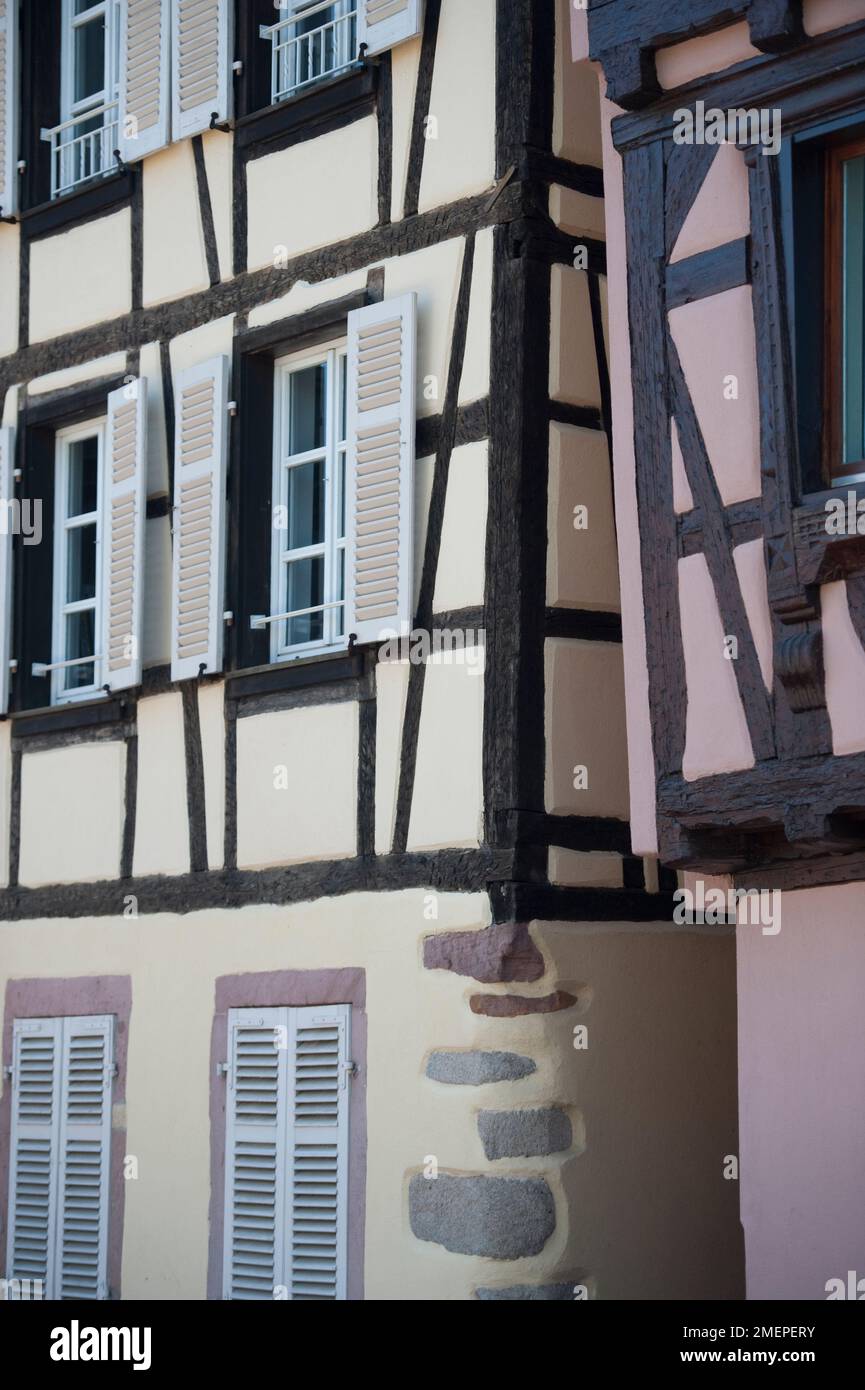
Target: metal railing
(89, 154)
(302, 58)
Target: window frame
(60, 606)
(295, 11)
(837, 473)
(108, 97)
(334, 357)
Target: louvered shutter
(124, 505)
(317, 1175)
(145, 90)
(36, 1102)
(85, 1158)
(8, 107)
(201, 64)
(384, 23)
(201, 451)
(380, 467)
(7, 494)
(256, 1107)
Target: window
(62, 1070)
(845, 292)
(77, 553)
(83, 144)
(308, 575)
(287, 1153)
(314, 41)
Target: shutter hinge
(237, 67)
(22, 166)
(350, 1069)
(232, 407)
(228, 618)
(8, 1074)
(223, 1068)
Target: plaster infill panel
(716, 738)
(81, 277)
(684, 62)
(447, 804)
(585, 729)
(844, 664)
(715, 341)
(295, 202)
(297, 785)
(819, 16)
(721, 211)
(10, 252)
(434, 275)
(573, 360)
(576, 110)
(460, 574)
(750, 565)
(459, 156)
(581, 563)
(72, 804)
(174, 260)
(404, 62)
(161, 815)
(391, 684)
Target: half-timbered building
(328, 969)
(734, 176)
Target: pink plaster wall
(802, 1094)
(819, 16)
(844, 664)
(716, 732)
(641, 767)
(715, 341)
(683, 62)
(721, 211)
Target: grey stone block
(478, 1068)
(524, 1133)
(500, 1218)
(529, 1293)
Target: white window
(83, 144)
(77, 561)
(315, 40)
(59, 1171)
(308, 575)
(287, 1153)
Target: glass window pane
(307, 405)
(304, 588)
(340, 506)
(305, 505)
(83, 473)
(343, 400)
(340, 612)
(89, 59)
(81, 563)
(79, 642)
(854, 310)
(81, 6)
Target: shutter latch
(349, 1070)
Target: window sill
(51, 719)
(297, 674)
(332, 103)
(83, 204)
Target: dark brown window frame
(835, 470)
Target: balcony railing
(82, 148)
(303, 57)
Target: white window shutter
(145, 87)
(84, 1158)
(200, 461)
(202, 53)
(37, 1045)
(317, 1176)
(385, 23)
(380, 468)
(124, 505)
(7, 493)
(256, 1105)
(8, 107)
